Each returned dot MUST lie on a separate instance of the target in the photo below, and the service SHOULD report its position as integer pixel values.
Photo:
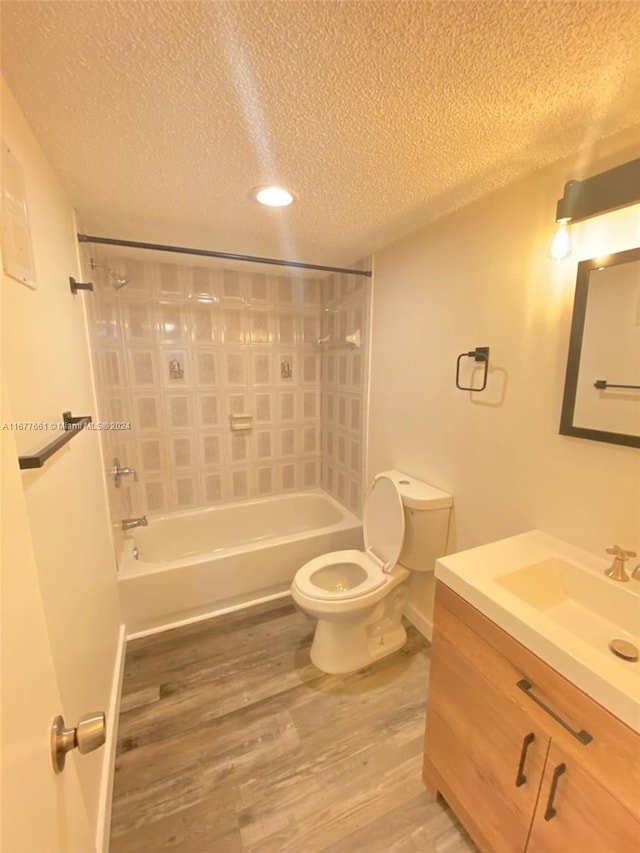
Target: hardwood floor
(231, 741)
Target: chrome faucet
(616, 570)
(119, 472)
(130, 523)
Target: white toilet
(358, 596)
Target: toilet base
(345, 645)
(338, 652)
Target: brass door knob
(89, 734)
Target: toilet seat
(383, 528)
(375, 577)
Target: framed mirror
(602, 385)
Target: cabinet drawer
(613, 754)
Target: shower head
(118, 280)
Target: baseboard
(106, 783)
(202, 617)
(419, 621)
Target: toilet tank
(427, 513)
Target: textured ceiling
(160, 116)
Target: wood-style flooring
(231, 741)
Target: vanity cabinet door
(575, 813)
(483, 752)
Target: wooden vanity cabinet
(476, 737)
(526, 760)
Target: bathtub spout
(130, 523)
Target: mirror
(602, 385)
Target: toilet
(358, 596)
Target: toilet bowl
(358, 596)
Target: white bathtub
(200, 562)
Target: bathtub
(198, 563)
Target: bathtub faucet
(129, 523)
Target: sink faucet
(635, 574)
(616, 570)
(130, 523)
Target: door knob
(89, 734)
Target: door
(575, 813)
(41, 811)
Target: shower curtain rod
(208, 253)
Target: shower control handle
(119, 472)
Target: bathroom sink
(593, 607)
(556, 600)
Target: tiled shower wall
(181, 349)
(346, 304)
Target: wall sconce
(610, 190)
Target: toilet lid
(383, 522)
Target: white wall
(481, 277)
(46, 371)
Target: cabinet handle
(557, 773)
(583, 736)
(526, 741)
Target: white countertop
(579, 652)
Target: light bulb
(274, 196)
(561, 244)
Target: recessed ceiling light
(273, 196)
